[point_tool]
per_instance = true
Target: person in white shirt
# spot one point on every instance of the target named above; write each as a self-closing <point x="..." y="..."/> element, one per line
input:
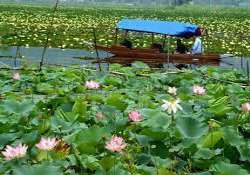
<point x="197" y="47"/>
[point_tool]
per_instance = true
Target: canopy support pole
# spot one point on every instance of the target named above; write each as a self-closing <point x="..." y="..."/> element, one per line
<point x="116" y="36"/>
<point x="168" y="52"/>
<point x="164" y="41"/>
<point x="142" y="36"/>
<point x="152" y="38"/>
<point x="126" y="34"/>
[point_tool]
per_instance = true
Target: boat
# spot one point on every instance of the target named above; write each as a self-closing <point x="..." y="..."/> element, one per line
<point x="154" y="56"/>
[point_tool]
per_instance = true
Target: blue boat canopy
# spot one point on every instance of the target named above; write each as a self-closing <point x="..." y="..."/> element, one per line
<point x="176" y="29"/>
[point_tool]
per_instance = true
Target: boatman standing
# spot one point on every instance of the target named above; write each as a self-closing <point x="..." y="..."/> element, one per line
<point x="197" y="48"/>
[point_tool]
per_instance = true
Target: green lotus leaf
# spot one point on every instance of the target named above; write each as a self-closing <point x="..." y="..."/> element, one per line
<point x="80" y="108"/>
<point x="45" y="88"/>
<point x="203" y="173"/>
<point x="212" y="138"/>
<point x="89" y="162"/>
<point x="118" y="169"/>
<point x="244" y="150"/>
<point x="7" y="138"/>
<point x="223" y="168"/>
<point x="87" y="139"/>
<point x="232" y="136"/>
<point x="99" y="98"/>
<point x="163" y="171"/>
<point x="37" y="169"/>
<point x="107" y="162"/>
<point x="16" y="107"/>
<point x="146" y="170"/>
<point x="155" y="119"/>
<point x="190" y="127"/>
<point x="142" y="139"/>
<point x="116" y="100"/>
<point x="220" y="107"/>
<point x="112" y="80"/>
<point x="204" y="153"/>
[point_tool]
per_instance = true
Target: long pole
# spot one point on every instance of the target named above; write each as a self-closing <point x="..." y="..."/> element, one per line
<point x="248" y="72"/>
<point x="48" y="35"/>
<point x="241" y="51"/>
<point x="17" y="54"/>
<point x="96" y="50"/>
<point x="17" y="50"/>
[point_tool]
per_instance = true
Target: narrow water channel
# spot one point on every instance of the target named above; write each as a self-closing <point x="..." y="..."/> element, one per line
<point x="67" y="57"/>
<point x="52" y="56"/>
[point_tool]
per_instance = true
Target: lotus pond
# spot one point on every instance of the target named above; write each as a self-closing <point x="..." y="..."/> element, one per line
<point x="72" y="27"/>
<point x="130" y="120"/>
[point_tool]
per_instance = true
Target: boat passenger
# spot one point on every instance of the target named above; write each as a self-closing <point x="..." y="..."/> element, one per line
<point x="127" y="43"/>
<point x="197" y="48"/>
<point x="180" y="47"/>
<point x="157" y="46"/>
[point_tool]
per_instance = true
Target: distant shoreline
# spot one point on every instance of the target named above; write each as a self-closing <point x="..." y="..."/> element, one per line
<point x="121" y="5"/>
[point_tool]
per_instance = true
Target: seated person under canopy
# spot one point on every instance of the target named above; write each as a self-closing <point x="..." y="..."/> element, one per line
<point x="157" y="46"/>
<point x="127" y="43"/>
<point x="180" y="47"/>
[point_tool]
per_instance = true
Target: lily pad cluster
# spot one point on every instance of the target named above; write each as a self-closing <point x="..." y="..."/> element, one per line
<point x="129" y="120"/>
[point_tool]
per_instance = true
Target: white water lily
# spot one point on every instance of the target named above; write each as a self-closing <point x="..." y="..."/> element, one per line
<point x="171" y="106"/>
<point x="172" y="90"/>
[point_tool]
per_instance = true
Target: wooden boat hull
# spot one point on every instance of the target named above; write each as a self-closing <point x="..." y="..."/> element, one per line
<point x="152" y="57"/>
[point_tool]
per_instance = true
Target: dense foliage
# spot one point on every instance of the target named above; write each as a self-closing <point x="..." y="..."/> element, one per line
<point x="208" y="134"/>
<point x="72" y="27"/>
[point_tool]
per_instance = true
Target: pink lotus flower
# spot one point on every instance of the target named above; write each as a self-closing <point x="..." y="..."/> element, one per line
<point x="245" y="107"/>
<point x="135" y="116"/>
<point x="172" y="90"/>
<point x="116" y="144"/>
<point x="199" y="90"/>
<point x="92" y="85"/>
<point x="99" y="116"/>
<point x="14" y="152"/>
<point x="16" y="76"/>
<point x="47" y="144"/>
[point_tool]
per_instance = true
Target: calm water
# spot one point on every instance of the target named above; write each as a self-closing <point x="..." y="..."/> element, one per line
<point x="52" y="56"/>
<point x="80" y="57"/>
